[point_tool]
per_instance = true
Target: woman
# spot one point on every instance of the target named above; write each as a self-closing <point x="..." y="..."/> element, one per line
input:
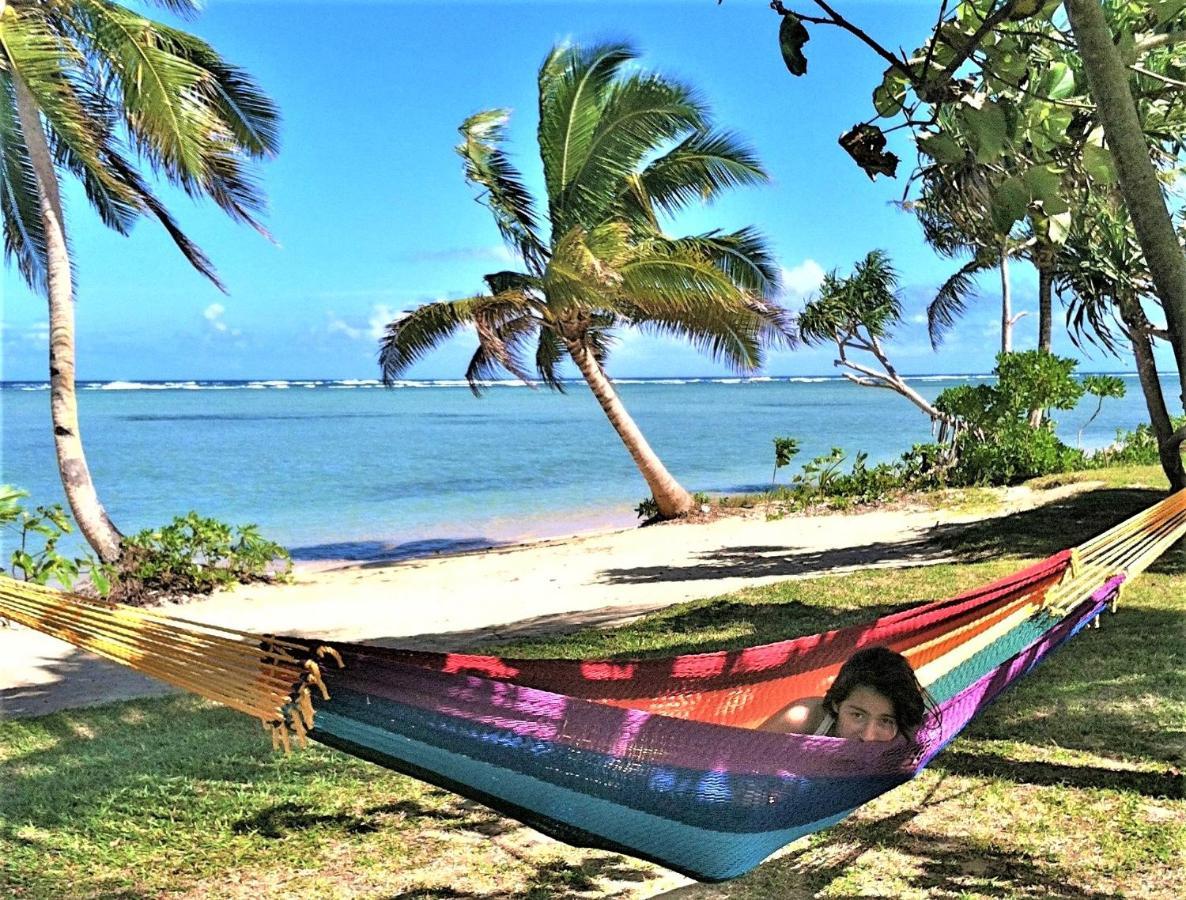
<point x="875" y="697"/>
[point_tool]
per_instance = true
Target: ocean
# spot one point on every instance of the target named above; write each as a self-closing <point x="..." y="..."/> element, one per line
<point x="352" y="470"/>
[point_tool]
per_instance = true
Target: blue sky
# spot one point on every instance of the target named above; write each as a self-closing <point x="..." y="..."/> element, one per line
<point x="371" y="215"/>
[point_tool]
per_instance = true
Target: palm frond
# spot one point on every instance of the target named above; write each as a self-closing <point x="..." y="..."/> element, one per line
<point x="642" y="114"/>
<point x="504" y="194"/>
<point x="743" y="255"/>
<point x="953" y="298"/>
<point x="572" y="81"/>
<point x="576" y="276"/>
<point x="185" y="8"/>
<point x="549" y="354"/>
<point x="24" y="235"/>
<point x="188" y="113"/>
<point x="410" y="337"/>
<point x="190" y="250"/>
<point x="699" y="168"/>
<point x="726" y="335"/>
<point x="599" y="336"/>
<point x="43" y="61"/>
<point x="502" y="332"/>
<point x="674" y="276"/>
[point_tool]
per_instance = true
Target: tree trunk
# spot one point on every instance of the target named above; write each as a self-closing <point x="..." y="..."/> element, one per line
<point x="1159" y="418"/>
<point x="1045" y="319"/>
<point x="1045" y="305"/>
<point x="84" y="501"/>
<point x="1006" y="303"/>
<point x="670" y="497"/>
<point x="1139" y="184"/>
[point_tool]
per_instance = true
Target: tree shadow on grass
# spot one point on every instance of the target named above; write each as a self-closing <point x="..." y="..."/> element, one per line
<point x="935" y="863"/>
<point x="1165" y="784"/>
<point x="1029" y="534"/>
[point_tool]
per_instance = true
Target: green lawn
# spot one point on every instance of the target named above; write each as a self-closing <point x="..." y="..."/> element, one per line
<point x="1070" y="786"/>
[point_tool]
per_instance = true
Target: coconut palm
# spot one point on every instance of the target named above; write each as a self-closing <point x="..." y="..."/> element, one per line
<point x="1103" y="278"/>
<point x="954" y="208"/>
<point x="93" y="90"/>
<point x="620" y="147"/>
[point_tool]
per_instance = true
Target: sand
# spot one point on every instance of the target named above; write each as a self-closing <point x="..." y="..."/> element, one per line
<point x="463" y="600"/>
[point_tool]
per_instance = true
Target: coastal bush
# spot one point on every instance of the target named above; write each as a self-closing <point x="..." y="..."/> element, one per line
<point x="36" y="533"/>
<point x="193" y="555"/>
<point x="1137" y="447"/>
<point x="997" y="443"/>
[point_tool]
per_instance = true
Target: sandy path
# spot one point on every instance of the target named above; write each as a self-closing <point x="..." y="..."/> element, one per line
<point x="458" y="600"/>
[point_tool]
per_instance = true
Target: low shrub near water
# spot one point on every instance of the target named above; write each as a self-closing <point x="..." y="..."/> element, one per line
<point x="191" y="555"/>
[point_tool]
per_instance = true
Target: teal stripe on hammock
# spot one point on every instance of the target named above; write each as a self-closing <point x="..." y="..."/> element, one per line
<point x="979" y="664"/>
<point x="707" y="854"/>
<point x="703" y="796"/>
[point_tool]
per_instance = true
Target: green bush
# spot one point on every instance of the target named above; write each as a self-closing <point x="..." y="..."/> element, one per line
<point x="1013" y="453"/>
<point x="997" y="444"/>
<point x="193" y="555"/>
<point x="1137" y="447"/>
<point x="35" y="535"/>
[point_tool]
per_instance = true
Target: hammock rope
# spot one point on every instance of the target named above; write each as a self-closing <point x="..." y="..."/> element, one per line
<point x="658" y="757"/>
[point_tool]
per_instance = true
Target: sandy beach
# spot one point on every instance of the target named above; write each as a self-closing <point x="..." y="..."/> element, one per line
<point x="463" y="600"/>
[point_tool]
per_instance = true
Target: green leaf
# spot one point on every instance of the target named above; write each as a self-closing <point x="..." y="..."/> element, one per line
<point x="791" y="38"/>
<point x="1043" y="182"/>
<point x="941" y="148"/>
<point x="1058" y="83"/>
<point x="989" y="128"/>
<point x="890" y="95"/>
<point x="1009" y="203"/>
<point x="1097" y="162"/>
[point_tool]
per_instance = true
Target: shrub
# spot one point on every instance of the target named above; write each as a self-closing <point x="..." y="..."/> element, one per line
<point x="35" y="556"/>
<point x="193" y="555"/>
<point x="1136" y="448"/>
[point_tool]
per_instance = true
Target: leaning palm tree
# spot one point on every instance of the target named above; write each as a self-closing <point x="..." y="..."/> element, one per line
<point x="93" y="90"/>
<point x="619" y="147"/>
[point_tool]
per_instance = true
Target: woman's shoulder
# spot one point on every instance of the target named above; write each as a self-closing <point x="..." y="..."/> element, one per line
<point x="800" y="717"/>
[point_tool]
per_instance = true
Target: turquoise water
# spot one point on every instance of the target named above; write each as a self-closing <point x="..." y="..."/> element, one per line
<point x="339" y="470"/>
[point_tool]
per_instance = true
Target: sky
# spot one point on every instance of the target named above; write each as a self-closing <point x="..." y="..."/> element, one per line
<point x="370" y="213"/>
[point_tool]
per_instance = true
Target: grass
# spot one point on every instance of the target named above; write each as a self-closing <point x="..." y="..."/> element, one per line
<point x="1069" y="786"/>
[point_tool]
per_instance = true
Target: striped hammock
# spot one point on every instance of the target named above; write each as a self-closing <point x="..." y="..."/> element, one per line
<point x="657" y="758"/>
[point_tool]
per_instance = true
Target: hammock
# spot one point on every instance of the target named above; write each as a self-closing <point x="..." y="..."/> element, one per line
<point x="657" y="758"/>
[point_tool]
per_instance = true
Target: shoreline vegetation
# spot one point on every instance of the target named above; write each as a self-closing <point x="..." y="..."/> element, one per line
<point x="111" y="790"/>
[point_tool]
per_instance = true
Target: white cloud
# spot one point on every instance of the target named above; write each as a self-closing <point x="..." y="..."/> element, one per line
<point x="381" y="315"/>
<point x="337" y="325"/>
<point x="213" y="314"/>
<point x="370" y="327"/>
<point x="800" y="282"/>
<point x="32" y="332"/>
<point x="918" y="319"/>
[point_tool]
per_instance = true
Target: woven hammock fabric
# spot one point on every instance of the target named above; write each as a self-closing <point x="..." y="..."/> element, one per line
<point x="658" y="758"/>
<point x="694" y="788"/>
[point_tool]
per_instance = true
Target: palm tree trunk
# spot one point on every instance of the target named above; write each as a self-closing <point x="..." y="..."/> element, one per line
<point x="84" y="501"/>
<point x="1169" y="452"/>
<point x="1139" y="186"/>
<point x="670" y="497"/>
<point x="1045" y="306"/>
<point x="1045" y="319"/>
<point x="1006" y="303"/>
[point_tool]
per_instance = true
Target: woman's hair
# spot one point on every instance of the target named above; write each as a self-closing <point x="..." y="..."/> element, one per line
<point x="888" y="673"/>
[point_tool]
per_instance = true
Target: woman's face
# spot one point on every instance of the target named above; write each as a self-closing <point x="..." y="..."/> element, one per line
<point x="866" y="715"/>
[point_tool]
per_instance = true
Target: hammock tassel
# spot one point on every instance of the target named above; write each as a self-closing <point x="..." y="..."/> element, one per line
<point x="314" y="677"/>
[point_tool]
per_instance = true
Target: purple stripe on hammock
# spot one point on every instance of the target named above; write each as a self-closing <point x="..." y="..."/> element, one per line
<point x="661" y="740"/>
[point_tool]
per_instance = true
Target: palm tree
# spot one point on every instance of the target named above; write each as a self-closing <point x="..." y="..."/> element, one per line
<point x="1103" y="277"/>
<point x="619" y="148"/>
<point x="91" y="89"/>
<point x="954" y="208"/>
